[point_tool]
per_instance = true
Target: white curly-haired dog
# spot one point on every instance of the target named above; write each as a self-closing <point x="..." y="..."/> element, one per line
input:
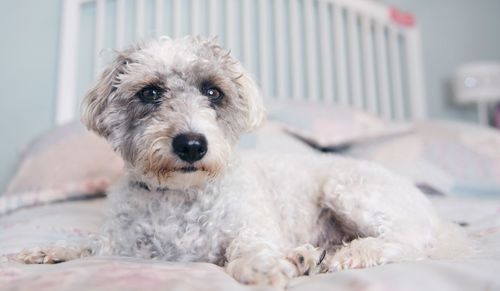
<point x="174" y="110"/>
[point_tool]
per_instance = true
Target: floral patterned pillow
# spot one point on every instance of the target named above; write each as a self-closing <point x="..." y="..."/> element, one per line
<point x="66" y="162"/>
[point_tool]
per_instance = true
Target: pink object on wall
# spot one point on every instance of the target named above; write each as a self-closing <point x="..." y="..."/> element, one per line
<point x="401" y="17"/>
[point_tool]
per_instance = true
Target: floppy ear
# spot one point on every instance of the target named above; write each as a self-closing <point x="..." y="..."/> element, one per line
<point x="98" y="96"/>
<point x="250" y="93"/>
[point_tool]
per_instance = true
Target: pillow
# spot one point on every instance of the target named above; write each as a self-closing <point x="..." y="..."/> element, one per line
<point x="66" y="162"/>
<point x="271" y="138"/>
<point x="328" y="127"/>
<point x="450" y="157"/>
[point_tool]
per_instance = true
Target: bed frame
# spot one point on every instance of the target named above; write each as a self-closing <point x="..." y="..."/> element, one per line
<point x="357" y="53"/>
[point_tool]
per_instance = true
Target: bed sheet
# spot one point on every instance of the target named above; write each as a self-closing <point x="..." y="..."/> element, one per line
<point x="71" y="220"/>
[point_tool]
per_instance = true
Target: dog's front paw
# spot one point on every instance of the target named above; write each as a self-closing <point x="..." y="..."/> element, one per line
<point x="257" y="270"/>
<point x="38" y="256"/>
<point x="51" y="255"/>
<point x="308" y="260"/>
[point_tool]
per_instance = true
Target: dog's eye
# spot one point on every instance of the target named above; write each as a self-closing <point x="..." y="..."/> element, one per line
<point x="150" y="94"/>
<point x="213" y="93"/>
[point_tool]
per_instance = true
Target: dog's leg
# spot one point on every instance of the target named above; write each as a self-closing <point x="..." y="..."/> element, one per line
<point x="307" y="259"/>
<point x="367" y="252"/>
<point x="61" y="251"/>
<point x="259" y="262"/>
<point x="384" y="216"/>
<point x="262" y="262"/>
<point x="54" y="254"/>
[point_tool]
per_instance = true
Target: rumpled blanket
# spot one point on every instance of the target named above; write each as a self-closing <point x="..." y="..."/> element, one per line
<point x="75" y="219"/>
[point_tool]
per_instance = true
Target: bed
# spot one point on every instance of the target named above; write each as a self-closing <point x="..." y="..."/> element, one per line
<point x="355" y="87"/>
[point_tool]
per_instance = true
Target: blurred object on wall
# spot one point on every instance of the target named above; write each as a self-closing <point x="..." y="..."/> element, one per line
<point x="478" y="83"/>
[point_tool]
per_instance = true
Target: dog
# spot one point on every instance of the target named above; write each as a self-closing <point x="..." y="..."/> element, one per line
<point x="174" y="110"/>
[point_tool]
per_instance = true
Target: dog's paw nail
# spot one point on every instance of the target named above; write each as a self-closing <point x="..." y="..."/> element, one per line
<point x="321" y="257"/>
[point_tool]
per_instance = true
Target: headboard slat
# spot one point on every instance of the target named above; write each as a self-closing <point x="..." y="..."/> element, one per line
<point x="383" y="71"/>
<point x="159" y="11"/>
<point x="311" y="51"/>
<point x="177" y="18"/>
<point x="326" y="52"/>
<point x="415" y="75"/>
<point x="296" y="51"/>
<point x="264" y="47"/>
<point x="281" y="48"/>
<point x="340" y="55"/>
<point x="67" y="100"/>
<point x="396" y="74"/>
<point x="230" y="29"/>
<point x="248" y="36"/>
<point x="120" y="24"/>
<point x="100" y="29"/>
<point x="354" y="59"/>
<point x="140" y="28"/>
<point x="368" y="65"/>
<point x="213" y="10"/>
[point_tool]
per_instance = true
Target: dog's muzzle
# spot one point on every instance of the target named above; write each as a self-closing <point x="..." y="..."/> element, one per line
<point x="190" y="147"/>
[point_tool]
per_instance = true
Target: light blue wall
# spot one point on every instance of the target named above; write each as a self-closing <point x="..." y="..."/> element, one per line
<point x="453" y="32"/>
<point x="28" y="58"/>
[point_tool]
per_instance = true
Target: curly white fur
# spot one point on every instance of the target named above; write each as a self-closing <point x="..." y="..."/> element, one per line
<point x="265" y="218"/>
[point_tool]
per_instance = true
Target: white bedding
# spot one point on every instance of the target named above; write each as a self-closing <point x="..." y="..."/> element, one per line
<point x="70" y="220"/>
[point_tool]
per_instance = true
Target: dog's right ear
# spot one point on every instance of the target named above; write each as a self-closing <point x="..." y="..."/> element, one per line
<point x="97" y="98"/>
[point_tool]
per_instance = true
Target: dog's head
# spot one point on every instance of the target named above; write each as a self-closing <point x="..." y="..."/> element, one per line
<point x="174" y="109"/>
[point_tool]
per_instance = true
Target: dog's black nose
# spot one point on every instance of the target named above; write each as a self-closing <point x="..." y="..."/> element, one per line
<point x="190" y="147"/>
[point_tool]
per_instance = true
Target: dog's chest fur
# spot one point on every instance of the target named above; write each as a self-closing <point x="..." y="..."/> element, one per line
<point x="173" y="225"/>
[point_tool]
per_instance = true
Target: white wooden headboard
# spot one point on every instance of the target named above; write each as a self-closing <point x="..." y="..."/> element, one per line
<point x="358" y="53"/>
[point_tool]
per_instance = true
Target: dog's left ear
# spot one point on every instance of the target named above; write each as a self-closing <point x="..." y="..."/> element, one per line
<point x="252" y="98"/>
<point x="251" y="105"/>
